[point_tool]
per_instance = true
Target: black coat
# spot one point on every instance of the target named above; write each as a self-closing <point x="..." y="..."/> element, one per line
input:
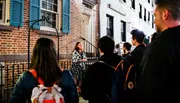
<point x="160" y="79"/>
<point x="135" y="58"/>
<point x="96" y="86"/>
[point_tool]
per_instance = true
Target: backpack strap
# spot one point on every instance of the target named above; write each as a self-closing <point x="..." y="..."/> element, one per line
<point x="107" y="64"/>
<point x="34" y="73"/>
<point x="120" y="63"/>
<point x="127" y="74"/>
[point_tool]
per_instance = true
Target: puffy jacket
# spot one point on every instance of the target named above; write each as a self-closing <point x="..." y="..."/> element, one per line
<point x="26" y="82"/>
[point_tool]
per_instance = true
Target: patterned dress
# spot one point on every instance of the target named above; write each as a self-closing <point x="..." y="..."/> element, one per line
<point x="78" y="67"/>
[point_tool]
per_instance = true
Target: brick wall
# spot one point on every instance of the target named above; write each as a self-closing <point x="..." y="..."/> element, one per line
<point x="15" y="41"/>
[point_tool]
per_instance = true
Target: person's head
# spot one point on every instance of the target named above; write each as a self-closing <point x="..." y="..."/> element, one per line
<point x="117" y="46"/>
<point x="126" y="46"/>
<point x="78" y="47"/>
<point x="153" y="36"/>
<point x="137" y="37"/>
<point x="106" y="45"/>
<point x="44" y="61"/>
<point x="167" y="14"/>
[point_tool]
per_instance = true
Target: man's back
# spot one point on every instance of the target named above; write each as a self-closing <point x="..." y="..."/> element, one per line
<point x="97" y="84"/>
<point x="159" y="81"/>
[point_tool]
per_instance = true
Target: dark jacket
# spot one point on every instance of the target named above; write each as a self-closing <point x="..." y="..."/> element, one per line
<point x="136" y="58"/>
<point x="26" y="82"/>
<point x="96" y="86"/>
<point x="160" y="79"/>
<point x="119" y="95"/>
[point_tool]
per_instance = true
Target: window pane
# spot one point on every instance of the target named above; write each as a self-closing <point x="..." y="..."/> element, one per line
<point x="53" y="16"/>
<point x="55" y="8"/>
<point x="55" y="1"/>
<point x="44" y="5"/>
<point x="49" y="6"/>
<point x="48" y="15"/>
<point x="1" y="5"/>
<point x="50" y="1"/>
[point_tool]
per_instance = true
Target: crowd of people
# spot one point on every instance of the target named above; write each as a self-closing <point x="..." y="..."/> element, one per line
<point x="147" y="74"/>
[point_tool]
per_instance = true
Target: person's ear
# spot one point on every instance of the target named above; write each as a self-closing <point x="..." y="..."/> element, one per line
<point x="165" y="14"/>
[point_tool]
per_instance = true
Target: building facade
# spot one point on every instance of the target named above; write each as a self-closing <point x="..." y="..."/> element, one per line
<point x="72" y="18"/>
<point x="119" y="17"/>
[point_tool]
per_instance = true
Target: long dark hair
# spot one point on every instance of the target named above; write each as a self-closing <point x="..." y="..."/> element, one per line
<point x="44" y="61"/>
<point x="76" y="47"/>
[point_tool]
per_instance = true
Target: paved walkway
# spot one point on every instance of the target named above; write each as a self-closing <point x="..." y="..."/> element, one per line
<point x="81" y="100"/>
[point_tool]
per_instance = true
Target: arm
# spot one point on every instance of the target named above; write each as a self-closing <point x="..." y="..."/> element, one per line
<point x="70" y="90"/>
<point x="19" y="94"/>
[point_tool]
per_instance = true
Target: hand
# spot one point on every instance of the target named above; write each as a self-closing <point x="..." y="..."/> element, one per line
<point x="83" y="60"/>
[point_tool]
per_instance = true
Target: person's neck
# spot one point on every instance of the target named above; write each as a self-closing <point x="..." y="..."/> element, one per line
<point x="137" y="44"/>
<point x="80" y="51"/>
<point x="170" y="24"/>
<point x="126" y="51"/>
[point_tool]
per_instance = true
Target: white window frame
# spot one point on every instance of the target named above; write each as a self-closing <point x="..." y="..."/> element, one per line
<point x="57" y="17"/>
<point x="2" y="21"/>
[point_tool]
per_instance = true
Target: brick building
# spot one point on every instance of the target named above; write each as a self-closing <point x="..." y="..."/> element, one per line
<point x="72" y="18"/>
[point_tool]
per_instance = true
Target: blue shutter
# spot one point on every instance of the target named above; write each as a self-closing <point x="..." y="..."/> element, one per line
<point x="35" y="13"/>
<point x="16" y="12"/>
<point x="66" y="17"/>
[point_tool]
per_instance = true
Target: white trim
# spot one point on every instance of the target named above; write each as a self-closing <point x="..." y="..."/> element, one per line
<point x="47" y="28"/>
<point x="6" y="24"/>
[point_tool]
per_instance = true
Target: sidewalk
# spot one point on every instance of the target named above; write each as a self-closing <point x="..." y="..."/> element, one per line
<point x="81" y="100"/>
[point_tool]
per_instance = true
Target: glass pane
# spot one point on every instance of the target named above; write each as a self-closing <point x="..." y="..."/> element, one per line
<point x="49" y="15"/>
<point x="49" y="6"/>
<point x="55" y="1"/>
<point x="54" y="23"/>
<point x="55" y="8"/>
<point x="53" y="16"/>
<point x="44" y="4"/>
<point x="1" y="5"/>
<point x="0" y="14"/>
<point x="50" y="1"/>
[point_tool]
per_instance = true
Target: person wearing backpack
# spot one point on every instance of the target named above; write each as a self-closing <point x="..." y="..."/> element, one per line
<point x="96" y="86"/>
<point x="45" y="81"/>
<point x="124" y="84"/>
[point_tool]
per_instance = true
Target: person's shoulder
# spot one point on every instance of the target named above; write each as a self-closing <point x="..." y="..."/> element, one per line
<point x="26" y="74"/>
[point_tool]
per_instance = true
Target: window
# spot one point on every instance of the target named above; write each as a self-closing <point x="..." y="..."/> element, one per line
<point x="152" y="21"/>
<point x="140" y="11"/>
<point x="148" y="16"/>
<point x="124" y="0"/>
<point x="133" y="4"/>
<point x="109" y="27"/>
<point x="123" y="31"/>
<point x="87" y="5"/>
<point x="49" y="9"/>
<point x="144" y="14"/>
<point x="152" y="4"/>
<point x="2" y="11"/>
<point x="148" y="1"/>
